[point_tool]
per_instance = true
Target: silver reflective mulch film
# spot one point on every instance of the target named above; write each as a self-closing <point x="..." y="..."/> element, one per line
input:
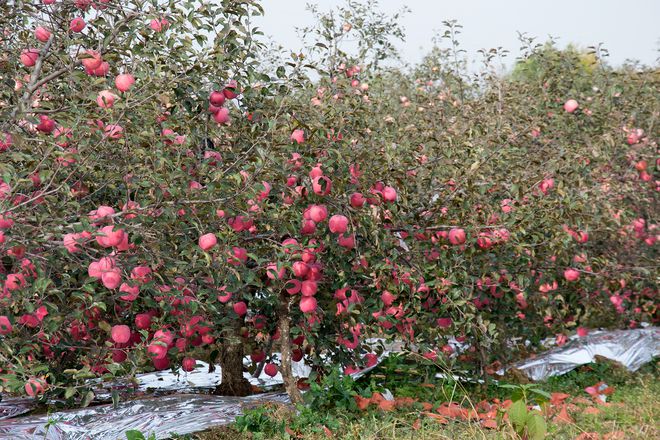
<point x="189" y="410"/>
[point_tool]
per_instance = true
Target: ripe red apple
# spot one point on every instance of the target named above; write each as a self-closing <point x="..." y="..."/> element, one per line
<point x="457" y="236"/>
<point x="217" y="99"/>
<point x="100" y="71"/>
<point x="320" y="189"/>
<point x="207" y="241"/>
<point x="114" y="131"/>
<point x="387" y="298"/>
<point x="258" y="356"/>
<point x="357" y="200"/>
<point x="298" y="136"/>
<point x="309" y="288"/>
<point x="221" y="116"/>
<point x="571" y="105"/>
<point x="296" y="355"/>
<point x="444" y="322"/>
<point x="29" y="57"/>
<point x="124" y="82"/>
<point x="346" y="241"/>
<point x="77" y="24"/>
<point x="273" y="273"/>
<point x="300" y="269"/>
<point x="188" y="364"/>
<point x="143" y="321"/>
<point x="121" y="334"/>
<point x="318" y="213"/>
<point x="5" y="325"/>
<point x="109" y="237"/>
<point x="270" y="369"/>
<point x="111" y="279"/>
<point x="240" y="308"/>
<point x="389" y="194"/>
<point x="571" y="274"/>
<point x="42" y="34"/>
<point x="307" y="304"/>
<point x="157" y="350"/>
<point x="46" y="125"/>
<point x="106" y="99"/>
<point x="92" y="60"/>
<point x="338" y="224"/>
<point x="230" y="90"/>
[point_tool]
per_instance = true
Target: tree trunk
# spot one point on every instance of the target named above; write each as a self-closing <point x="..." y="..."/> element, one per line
<point x="290" y="384"/>
<point x="231" y="361"/>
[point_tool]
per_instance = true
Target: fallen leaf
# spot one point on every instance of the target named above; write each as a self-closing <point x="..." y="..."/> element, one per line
<point x="558" y="398"/>
<point x="563" y="416"/>
<point x="591" y="410"/>
<point x="327" y="431"/>
<point x="483" y="406"/>
<point x="452" y="410"/>
<point x="490" y="424"/>
<point x="387" y="405"/>
<point x="362" y="402"/>
<point x="427" y="406"/>
<point x="402" y="402"/>
<point x="436" y="417"/>
<point x="417" y="424"/>
<point x="588" y="436"/>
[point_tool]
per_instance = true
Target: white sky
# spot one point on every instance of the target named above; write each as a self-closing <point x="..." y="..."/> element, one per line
<point x="629" y="29"/>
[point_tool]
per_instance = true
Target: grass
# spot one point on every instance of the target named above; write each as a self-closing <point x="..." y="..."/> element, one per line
<point x="632" y="412"/>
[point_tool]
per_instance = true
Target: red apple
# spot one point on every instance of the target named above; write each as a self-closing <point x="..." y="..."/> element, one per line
<point x="357" y="200"/>
<point x="457" y="236"/>
<point x="121" y="334"/>
<point x="77" y="24"/>
<point x="29" y="57"/>
<point x="298" y="136"/>
<point x="188" y="364"/>
<point x="389" y="194"/>
<point x="270" y="369"/>
<point x="124" y="82"/>
<point x="217" y="99"/>
<point x="307" y="304"/>
<point x="571" y="274"/>
<point x="42" y="34"/>
<point x="571" y="105"/>
<point x="221" y="116"/>
<point x="5" y="325"/>
<point x="240" y="308"/>
<point x="207" y="241"/>
<point x="338" y="224"/>
<point x="106" y="99"/>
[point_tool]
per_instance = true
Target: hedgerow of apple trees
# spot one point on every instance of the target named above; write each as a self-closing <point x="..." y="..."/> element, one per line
<point x="167" y="196"/>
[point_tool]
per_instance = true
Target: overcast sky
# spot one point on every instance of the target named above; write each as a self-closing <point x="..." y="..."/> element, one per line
<point x="629" y="29"/>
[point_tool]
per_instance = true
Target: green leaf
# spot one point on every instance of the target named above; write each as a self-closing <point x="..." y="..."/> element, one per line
<point x="70" y="392"/>
<point x="536" y="427"/>
<point x="134" y="434"/>
<point x="518" y="413"/>
<point x="87" y="399"/>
